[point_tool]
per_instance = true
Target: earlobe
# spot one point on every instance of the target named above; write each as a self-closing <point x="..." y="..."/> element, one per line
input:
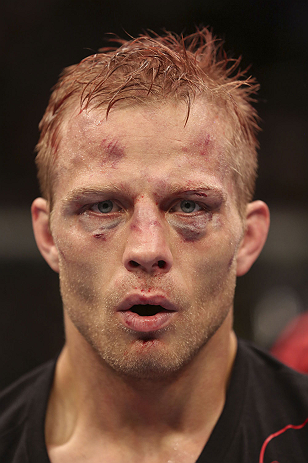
<point x="43" y="236"/>
<point x="256" y="230"/>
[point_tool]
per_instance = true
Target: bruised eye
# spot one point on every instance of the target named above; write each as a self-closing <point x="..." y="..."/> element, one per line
<point x="105" y="206"/>
<point x="189" y="206"/>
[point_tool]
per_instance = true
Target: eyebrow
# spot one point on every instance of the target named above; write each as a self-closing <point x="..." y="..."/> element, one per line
<point x="89" y="192"/>
<point x="84" y="192"/>
<point x="202" y="190"/>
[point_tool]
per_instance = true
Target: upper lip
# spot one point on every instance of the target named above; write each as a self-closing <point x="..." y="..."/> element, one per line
<point x="137" y="299"/>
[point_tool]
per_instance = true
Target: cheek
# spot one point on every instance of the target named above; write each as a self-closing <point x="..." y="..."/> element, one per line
<point x="217" y="280"/>
<point x="214" y="263"/>
<point x="77" y="283"/>
<point x="81" y="262"/>
<point x="82" y="240"/>
<point x="72" y="248"/>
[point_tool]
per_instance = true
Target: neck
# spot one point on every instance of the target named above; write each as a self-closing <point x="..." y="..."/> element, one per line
<point x="187" y="403"/>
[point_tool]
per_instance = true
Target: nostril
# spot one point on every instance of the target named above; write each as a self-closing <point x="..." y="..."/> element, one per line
<point x="133" y="263"/>
<point x="148" y="265"/>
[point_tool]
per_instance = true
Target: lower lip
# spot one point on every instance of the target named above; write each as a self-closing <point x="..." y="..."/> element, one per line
<point x="145" y="324"/>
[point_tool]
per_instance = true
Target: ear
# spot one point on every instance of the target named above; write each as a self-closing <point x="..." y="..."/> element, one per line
<point x="43" y="236"/>
<point x="256" y="230"/>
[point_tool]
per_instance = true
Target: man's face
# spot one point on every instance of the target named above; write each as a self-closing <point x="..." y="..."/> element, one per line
<point x="147" y="231"/>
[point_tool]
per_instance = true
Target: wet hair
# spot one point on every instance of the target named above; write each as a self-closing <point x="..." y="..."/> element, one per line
<point x="155" y="69"/>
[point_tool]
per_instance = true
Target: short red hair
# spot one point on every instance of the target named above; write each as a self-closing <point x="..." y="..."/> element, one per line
<point x="155" y="68"/>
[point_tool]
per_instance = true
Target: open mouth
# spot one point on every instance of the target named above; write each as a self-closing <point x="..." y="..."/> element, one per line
<point x="141" y="317"/>
<point x="147" y="310"/>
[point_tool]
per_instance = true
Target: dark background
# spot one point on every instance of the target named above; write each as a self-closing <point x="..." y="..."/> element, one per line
<point x="39" y="38"/>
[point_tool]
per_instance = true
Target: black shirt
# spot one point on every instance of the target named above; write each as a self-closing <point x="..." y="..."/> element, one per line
<point x="265" y="418"/>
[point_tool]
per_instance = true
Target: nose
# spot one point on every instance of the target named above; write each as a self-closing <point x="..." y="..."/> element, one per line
<point x="147" y="247"/>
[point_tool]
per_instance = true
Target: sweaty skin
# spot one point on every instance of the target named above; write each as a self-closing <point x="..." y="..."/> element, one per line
<point x="144" y="212"/>
<point x="159" y="167"/>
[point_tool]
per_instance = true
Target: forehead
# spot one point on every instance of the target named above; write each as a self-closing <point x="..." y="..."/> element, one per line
<point x="134" y="139"/>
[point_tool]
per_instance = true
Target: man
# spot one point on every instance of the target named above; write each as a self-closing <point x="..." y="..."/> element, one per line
<point x="147" y="164"/>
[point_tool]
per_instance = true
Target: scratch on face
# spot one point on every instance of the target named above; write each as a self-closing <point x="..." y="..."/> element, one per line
<point x="113" y="150"/>
<point x="101" y="236"/>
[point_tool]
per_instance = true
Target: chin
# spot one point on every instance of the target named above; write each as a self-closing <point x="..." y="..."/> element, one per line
<point x="150" y="360"/>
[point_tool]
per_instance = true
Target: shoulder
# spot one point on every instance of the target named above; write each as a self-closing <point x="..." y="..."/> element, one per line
<point x="270" y="381"/>
<point x="15" y="399"/>
<point x="268" y="405"/>
<point x="268" y="371"/>
<point x="25" y="399"/>
<point x="276" y="395"/>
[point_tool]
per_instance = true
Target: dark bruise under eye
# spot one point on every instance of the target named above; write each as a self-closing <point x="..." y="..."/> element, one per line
<point x="147" y="310"/>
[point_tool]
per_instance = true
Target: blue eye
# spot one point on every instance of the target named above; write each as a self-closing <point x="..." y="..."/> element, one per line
<point x="188" y="206"/>
<point x="105" y="206"/>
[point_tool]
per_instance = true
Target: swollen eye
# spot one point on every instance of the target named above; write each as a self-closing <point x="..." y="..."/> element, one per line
<point x="188" y="206"/>
<point x="105" y="206"/>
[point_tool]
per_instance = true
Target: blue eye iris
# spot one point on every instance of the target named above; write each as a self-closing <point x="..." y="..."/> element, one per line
<point x="188" y="206"/>
<point x="105" y="206"/>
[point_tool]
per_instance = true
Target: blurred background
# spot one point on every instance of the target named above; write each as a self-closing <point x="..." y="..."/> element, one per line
<point x="39" y="38"/>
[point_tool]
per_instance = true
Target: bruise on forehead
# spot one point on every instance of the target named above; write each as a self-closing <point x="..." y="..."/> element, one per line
<point x="85" y="137"/>
<point x="113" y="149"/>
<point x="203" y="144"/>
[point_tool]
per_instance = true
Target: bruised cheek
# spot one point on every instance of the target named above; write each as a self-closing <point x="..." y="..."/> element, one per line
<point x="93" y="229"/>
<point x="195" y="228"/>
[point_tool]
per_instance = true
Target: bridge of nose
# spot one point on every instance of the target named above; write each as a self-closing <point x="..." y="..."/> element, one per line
<point x="147" y="244"/>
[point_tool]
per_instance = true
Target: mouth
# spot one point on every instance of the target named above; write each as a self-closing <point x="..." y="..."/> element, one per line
<point x="146" y="315"/>
<point x="147" y="310"/>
